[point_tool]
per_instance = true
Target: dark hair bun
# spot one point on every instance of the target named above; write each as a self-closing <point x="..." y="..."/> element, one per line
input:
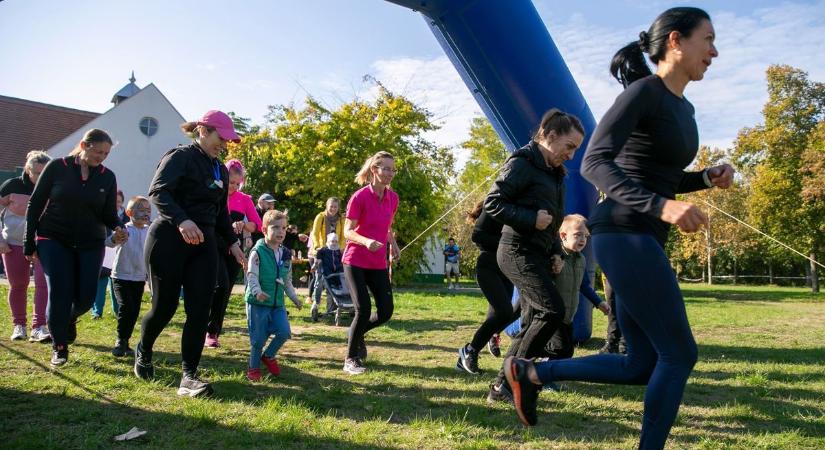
<point x="644" y="41"/>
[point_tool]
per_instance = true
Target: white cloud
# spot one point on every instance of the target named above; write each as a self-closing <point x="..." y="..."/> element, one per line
<point x="436" y="85"/>
<point x="730" y="97"/>
<point x="733" y="92"/>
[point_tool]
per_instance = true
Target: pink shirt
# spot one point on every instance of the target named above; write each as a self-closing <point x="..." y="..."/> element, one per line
<point x="242" y="203"/>
<point x="374" y="219"/>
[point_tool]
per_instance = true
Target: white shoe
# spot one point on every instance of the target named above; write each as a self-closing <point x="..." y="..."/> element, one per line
<point x="19" y="333"/>
<point x="40" y="334"/>
<point x="450" y="287"/>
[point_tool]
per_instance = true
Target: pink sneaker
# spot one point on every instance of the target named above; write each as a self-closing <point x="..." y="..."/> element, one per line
<point x="271" y="365"/>
<point x="253" y="375"/>
<point x="211" y="341"/>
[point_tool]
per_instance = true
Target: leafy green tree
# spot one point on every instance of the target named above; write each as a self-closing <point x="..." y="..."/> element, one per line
<point x="243" y="125"/>
<point x="780" y="155"/>
<point x="308" y="154"/>
<point x="487" y="153"/>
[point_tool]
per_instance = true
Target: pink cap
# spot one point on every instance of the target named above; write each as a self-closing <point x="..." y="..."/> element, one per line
<point x="222" y="123"/>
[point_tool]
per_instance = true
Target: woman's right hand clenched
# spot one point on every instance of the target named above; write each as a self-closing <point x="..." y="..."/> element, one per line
<point x="687" y="216"/>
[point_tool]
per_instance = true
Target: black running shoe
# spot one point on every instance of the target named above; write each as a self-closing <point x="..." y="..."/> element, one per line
<point x="122" y="349"/>
<point x="60" y="355"/>
<point x="500" y="393"/>
<point x="525" y="392"/>
<point x="71" y="333"/>
<point x="143" y="364"/>
<point x="468" y="360"/>
<point x="494" y="346"/>
<point x="192" y="386"/>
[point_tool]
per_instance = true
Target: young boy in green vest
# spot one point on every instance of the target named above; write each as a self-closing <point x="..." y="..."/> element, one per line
<point x="571" y="281"/>
<point x="269" y="278"/>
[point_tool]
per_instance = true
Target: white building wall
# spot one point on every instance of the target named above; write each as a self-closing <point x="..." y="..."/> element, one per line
<point x="135" y="157"/>
<point x="434" y="255"/>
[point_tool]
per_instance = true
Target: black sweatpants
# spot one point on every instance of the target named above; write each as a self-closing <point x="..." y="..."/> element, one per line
<point x="542" y="308"/>
<point x="561" y="343"/>
<point x="498" y="290"/>
<point x="172" y="264"/>
<point x="228" y="270"/>
<point x="361" y="283"/>
<point x="128" y="295"/>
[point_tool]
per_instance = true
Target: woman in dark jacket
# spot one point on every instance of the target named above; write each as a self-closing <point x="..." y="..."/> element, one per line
<point x="69" y="211"/>
<point x="528" y="198"/>
<point x="189" y="190"/>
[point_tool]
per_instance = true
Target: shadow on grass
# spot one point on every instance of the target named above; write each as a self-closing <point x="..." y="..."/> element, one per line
<point x="81" y="423"/>
<point x="746" y="294"/>
<point x="342" y="341"/>
<point x="421" y="325"/>
<point x="762" y="355"/>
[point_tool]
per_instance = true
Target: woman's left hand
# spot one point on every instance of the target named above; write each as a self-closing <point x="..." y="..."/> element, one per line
<point x="395" y="252"/>
<point x="120" y="236"/>
<point x="235" y="250"/>
<point x="721" y="176"/>
<point x="238" y="227"/>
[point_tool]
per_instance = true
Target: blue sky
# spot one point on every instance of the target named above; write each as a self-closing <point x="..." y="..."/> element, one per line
<point x="251" y="54"/>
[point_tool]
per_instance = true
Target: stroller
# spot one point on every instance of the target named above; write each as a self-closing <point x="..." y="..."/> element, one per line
<point x="338" y="291"/>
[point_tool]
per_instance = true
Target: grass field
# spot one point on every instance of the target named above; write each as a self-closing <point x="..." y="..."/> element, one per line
<point x="759" y="384"/>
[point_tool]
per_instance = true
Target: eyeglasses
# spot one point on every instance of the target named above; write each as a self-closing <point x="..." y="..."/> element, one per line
<point x="386" y="169"/>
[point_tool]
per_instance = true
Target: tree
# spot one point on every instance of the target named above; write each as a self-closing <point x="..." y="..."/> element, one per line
<point x="243" y="125"/>
<point x="781" y="156"/>
<point x="308" y="154"/>
<point x="487" y="153"/>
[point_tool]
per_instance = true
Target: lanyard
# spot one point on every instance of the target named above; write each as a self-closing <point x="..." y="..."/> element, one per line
<point x="216" y="170"/>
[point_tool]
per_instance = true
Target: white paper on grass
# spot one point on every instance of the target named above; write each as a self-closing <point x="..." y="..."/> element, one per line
<point x="134" y="433"/>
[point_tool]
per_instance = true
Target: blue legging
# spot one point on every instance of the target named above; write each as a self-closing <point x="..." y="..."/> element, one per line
<point x="651" y="312"/>
<point x="71" y="276"/>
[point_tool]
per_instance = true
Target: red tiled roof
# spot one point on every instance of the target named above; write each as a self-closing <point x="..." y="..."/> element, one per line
<point x="26" y="125"/>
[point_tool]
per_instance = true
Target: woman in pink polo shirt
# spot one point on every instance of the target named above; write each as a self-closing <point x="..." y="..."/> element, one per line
<point x="370" y="213"/>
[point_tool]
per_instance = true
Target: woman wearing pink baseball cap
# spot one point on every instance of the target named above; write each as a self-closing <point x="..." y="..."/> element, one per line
<point x="189" y="190"/>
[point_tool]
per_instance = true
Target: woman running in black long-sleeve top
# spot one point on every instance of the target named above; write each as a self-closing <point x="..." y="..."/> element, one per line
<point x="637" y="156"/>
<point x="496" y="287"/>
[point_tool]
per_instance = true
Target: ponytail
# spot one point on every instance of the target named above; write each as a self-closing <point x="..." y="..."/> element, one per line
<point x="364" y="176"/>
<point x="628" y="64"/>
<point x="559" y="121"/>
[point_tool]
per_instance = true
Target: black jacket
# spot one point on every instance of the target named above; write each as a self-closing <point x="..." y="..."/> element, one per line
<point x="70" y="210"/>
<point x="486" y="232"/>
<point x="185" y="187"/>
<point x="526" y="185"/>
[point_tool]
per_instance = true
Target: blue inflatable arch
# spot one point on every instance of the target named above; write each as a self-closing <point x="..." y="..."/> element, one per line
<point x="508" y="60"/>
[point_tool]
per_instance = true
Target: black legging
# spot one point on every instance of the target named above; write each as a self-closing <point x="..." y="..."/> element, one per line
<point x="172" y="264"/>
<point x="498" y="290"/>
<point x="378" y="283"/>
<point x="228" y="269"/>
<point x="542" y="308"/>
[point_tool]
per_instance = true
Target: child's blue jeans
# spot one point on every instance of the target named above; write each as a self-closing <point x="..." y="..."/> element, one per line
<point x="104" y="283"/>
<point x="265" y="321"/>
